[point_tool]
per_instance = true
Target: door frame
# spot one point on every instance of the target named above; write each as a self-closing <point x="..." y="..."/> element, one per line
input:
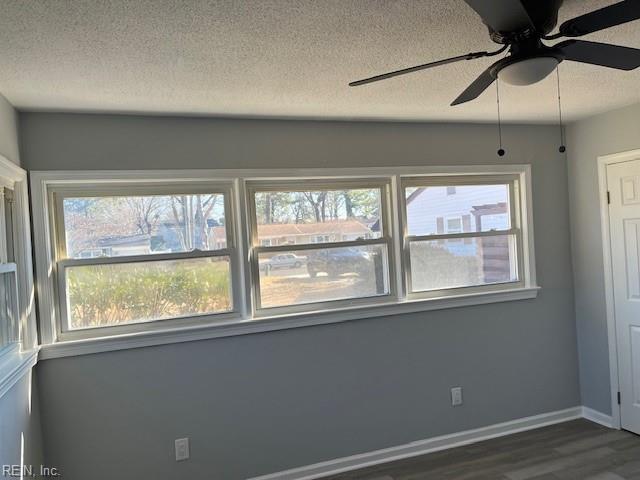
<point x="603" y="162"/>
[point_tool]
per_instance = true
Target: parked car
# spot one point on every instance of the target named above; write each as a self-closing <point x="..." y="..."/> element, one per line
<point x="335" y="262"/>
<point x="283" y="260"/>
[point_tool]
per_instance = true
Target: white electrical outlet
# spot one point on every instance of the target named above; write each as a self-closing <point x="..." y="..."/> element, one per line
<point x="456" y="396"/>
<point x="182" y="449"/>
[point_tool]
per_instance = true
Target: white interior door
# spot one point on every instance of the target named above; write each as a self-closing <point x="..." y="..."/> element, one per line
<point x="623" y="181"/>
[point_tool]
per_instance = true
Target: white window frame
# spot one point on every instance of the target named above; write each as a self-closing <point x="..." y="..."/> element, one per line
<point x="10" y="334"/>
<point x="57" y="195"/>
<point x="312" y="184"/>
<point x="21" y="353"/>
<point x="516" y="222"/>
<point x="247" y="320"/>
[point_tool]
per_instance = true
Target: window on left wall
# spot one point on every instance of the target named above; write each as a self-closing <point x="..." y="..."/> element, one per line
<point x="9" y="327"/>
<point x="127" y="255"/>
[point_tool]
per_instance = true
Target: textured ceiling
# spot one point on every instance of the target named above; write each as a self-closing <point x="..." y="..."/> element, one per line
<point x="284" y="58"/>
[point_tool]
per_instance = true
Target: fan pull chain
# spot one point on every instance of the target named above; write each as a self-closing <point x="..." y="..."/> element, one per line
<point x="562" y="148"/>
<point x="501" y="151"/>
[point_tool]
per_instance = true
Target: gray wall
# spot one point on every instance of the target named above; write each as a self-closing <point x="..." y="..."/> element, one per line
<point x="9" y="131"/>
<point x="20" y="422"/>
<point x="261" y="403"/>
<point x="18" y="409"/>
<point x="611" y="132"/>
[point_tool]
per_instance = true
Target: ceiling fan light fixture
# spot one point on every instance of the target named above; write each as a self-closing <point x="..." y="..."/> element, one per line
<point x="520" y="26"/>
<point x="529" y="71"/>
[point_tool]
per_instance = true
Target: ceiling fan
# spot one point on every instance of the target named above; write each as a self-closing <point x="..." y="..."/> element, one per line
<point x="520" y="26"/>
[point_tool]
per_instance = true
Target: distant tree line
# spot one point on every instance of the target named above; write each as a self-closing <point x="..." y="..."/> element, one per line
<point x="317" y="206"/>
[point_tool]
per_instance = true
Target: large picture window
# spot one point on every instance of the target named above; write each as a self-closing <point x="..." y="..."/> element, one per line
<point x="138" y="254"/>
<point x="241" y="251"/>
<point x="461" y="232"/>
<point x="319" y="243"/>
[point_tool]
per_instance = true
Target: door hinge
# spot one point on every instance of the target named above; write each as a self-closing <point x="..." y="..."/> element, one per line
<point x="619" y="399"/>
<point x="608" y="197"/>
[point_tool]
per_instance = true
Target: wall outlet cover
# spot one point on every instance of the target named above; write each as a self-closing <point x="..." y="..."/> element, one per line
<point x="182" y="449"/>
<point x="456" y="396"/>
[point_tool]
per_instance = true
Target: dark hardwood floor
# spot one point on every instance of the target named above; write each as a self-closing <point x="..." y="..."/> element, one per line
<point x="576" y="450"/>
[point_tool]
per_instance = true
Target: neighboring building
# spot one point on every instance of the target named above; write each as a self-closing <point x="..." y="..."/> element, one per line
<point x="465" y="209"/>
<point x="296" y="233"/>
<point x="118" y="246"/>
<point x="167" y="237"/>
<point x="440" y="210"/>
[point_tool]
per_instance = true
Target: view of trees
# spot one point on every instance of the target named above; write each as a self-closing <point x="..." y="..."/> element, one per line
<point x="102" y="295"/>
<point x="317" y="206"/>
<point x="183" y="219"/>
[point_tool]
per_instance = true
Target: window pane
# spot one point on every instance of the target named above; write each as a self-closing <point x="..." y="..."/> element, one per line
<point x="8" y="328"/>
<point x="439" y="264"/>
<point x="139" y="225"/>
<point x="104" y="295"/>
<point x="454" y="225"/>
<point x="463" y="208"/>
<point x="303" y="217"/>
<point x="320" y="275"/>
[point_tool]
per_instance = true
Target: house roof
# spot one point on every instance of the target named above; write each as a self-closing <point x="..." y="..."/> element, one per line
<point x="416" y="193"/>
<point x="129" y="240"/>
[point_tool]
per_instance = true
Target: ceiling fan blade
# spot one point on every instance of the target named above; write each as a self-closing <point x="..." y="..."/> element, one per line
<point x="606" y="17"/>
<point x="478" y="86"/>
<point x="424" y="66"/>
<point x="502" y="15"/>
<point x="603" y="54"/>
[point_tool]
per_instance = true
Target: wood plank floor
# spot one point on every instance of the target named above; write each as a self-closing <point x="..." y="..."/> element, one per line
<point x="576" y="450"/>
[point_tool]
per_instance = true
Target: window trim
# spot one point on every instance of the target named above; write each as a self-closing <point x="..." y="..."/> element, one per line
<point x="245" y="322"/>
<point x="58" y="193"/>
<point x="18" y="357"/>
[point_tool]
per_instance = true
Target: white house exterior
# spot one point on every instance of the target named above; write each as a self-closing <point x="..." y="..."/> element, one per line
<point x="440" y="210"/>
<point x="467" y="209"/>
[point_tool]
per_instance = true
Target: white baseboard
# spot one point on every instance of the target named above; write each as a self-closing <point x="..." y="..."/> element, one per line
<point x="597" y="417"/>
<point x="430" y="445"/>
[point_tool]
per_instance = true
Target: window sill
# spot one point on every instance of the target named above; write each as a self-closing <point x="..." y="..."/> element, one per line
<point x="274" y="323"/>
<point x="14" y="364"/>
